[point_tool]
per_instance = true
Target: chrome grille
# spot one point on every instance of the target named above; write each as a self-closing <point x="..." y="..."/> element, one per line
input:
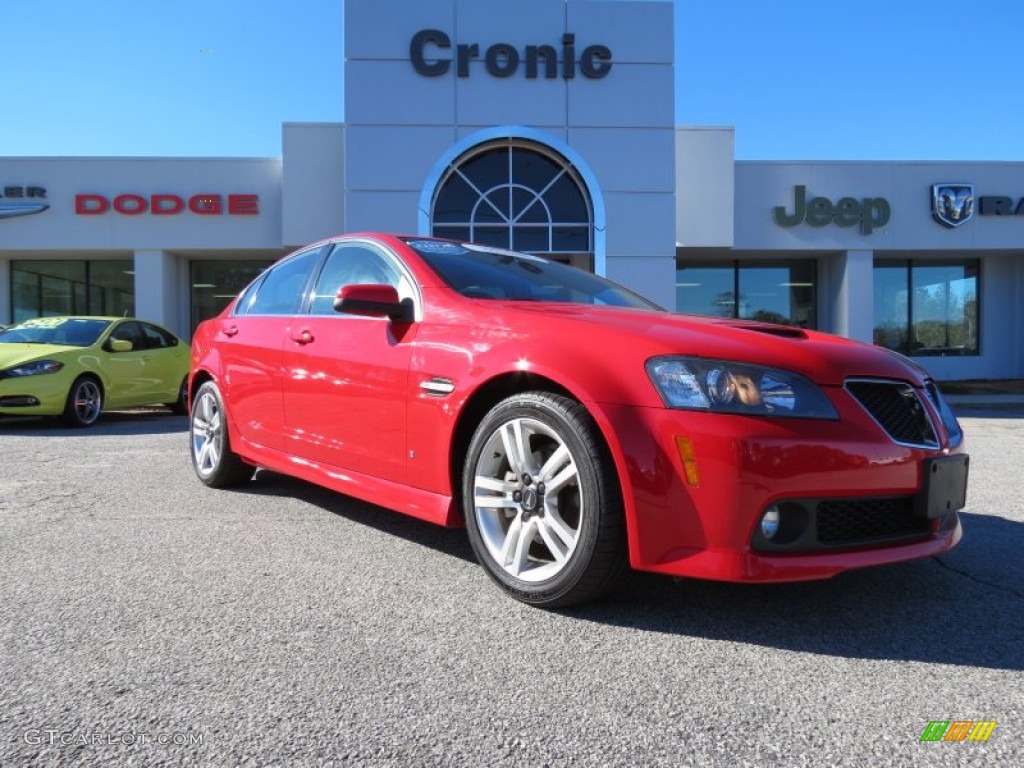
<point x="897" y="408"/>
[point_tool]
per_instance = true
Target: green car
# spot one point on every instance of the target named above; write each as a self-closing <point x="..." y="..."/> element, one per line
<point x="75" y="367"/>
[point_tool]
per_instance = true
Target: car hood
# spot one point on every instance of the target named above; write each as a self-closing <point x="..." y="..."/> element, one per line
<point x="16" y="354"/>
<point x="821" y="357"/>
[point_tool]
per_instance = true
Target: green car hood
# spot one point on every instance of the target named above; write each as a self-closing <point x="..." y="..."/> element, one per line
<point x="17" y="353"/>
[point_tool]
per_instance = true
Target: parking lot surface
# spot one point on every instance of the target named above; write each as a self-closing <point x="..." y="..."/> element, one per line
<point x="147" y="620"/>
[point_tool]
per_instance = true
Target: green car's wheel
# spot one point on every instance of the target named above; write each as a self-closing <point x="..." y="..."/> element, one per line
<point x="84" y="403"/>
<point x="180" y="406"/>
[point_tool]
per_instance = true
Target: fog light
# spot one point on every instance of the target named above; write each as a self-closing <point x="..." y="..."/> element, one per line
<point x="770" y="522"/>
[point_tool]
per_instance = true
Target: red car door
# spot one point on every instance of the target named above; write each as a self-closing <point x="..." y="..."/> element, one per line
<point x="346" y="377"/>
<point x="250" y="341"/>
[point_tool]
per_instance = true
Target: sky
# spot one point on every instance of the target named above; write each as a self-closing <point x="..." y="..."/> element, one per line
<point x="799" y="80"/>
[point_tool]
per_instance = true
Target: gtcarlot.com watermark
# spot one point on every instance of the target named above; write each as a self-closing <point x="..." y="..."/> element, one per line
<point x="53" y="738"/>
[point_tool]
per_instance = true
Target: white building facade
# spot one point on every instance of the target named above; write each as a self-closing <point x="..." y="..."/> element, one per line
<point x="547" y="127"/>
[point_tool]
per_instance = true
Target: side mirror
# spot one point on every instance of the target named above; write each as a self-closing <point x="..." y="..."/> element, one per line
<point x="120" y="345"/>
<point x="373" y="301"/>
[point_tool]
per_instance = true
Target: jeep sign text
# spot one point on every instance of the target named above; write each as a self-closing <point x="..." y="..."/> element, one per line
<point x="870" y="212"/>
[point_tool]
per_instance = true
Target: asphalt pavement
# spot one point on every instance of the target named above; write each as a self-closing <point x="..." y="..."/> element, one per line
<point x="147" y="620"/>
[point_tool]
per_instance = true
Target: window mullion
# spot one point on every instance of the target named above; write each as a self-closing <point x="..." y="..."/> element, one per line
<point x="511" y="210"/>
<point x="736" y="289"/>
<point x="910" y="307"/>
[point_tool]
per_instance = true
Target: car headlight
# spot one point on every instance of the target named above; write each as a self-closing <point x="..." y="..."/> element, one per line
<point x="34" y="368"/>
<point x="956" y="434"/>
<point x="721" y="386"/>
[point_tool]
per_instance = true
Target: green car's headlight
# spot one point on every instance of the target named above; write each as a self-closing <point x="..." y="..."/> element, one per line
<point x="721" y="386"/>
<point x="34" y="368"/>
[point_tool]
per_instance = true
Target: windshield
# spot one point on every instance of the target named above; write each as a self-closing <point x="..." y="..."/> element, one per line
<point x="479" y="272"/>
<point x="67" y="331"/>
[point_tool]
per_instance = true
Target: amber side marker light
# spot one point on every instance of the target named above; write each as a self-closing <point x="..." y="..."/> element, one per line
<point x="685" y="447"/>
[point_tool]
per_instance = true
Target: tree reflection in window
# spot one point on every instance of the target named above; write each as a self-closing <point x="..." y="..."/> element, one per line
<point x="769" y="291"/>
<point x="926" y="307"/>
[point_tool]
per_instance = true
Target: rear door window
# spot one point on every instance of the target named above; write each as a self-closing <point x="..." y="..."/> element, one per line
<point x="157" y="338"/>
<point x="283" y="290"/>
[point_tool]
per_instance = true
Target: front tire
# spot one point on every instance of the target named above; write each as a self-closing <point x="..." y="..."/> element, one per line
<point x="212" y="458"/>
<point x="542" y="502"/>
<point x="84" y="403"/>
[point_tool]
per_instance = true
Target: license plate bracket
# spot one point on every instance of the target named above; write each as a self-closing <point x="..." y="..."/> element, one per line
<point x="944" y="485"/>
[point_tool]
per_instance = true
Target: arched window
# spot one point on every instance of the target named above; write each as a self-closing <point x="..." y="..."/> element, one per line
<point x="516" y="194"/>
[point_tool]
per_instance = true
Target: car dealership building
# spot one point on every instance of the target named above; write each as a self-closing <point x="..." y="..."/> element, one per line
<point x="547" y="127"/>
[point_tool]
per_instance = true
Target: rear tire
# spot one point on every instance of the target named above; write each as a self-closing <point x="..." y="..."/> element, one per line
<point x="84" y="403"/>
<point x="542" y="502"/>
<point x="212" y="458"/>
<point x="180" y="406"/>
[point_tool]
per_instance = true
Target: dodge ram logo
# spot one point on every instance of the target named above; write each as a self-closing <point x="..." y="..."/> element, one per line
<point x="952" y="204"/>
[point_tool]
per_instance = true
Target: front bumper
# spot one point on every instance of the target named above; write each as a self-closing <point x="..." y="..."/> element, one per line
<point x="744" y="464"/>
<point x="50" y="391"/>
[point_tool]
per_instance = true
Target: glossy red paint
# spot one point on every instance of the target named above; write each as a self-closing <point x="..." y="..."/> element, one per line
<point x="746" y="464"/>
<point x="349" y="411"/>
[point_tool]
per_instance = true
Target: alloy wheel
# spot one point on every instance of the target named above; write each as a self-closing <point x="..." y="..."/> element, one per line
<point x="207" y="433"/>
<point x="527" y="499"/>
<point x="88" y="401"/>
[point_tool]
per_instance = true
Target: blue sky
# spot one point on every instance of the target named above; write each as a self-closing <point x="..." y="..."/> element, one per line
<point x="896" y="80"/>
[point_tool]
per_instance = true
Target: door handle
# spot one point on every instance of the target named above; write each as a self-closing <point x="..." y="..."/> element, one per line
<point x="229" y="330"/>
<point x="302" y="337"/>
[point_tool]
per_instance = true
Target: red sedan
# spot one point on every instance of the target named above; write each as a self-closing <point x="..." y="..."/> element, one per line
<point x="574" y="428"/>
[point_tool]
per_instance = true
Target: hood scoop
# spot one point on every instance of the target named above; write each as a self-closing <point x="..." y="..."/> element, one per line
<point x="784" y="331"/>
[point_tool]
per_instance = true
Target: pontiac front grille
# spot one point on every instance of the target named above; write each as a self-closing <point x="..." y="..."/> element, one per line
<point x="897" y="408"/>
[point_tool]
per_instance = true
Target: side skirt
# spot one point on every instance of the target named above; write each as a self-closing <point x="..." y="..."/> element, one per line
<point x="415" y="502"/>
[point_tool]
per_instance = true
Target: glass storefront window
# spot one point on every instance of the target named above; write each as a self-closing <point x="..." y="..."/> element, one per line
<point x="891" y="302"/>
<point x="214" y="283"/>
<point x="778" y="292"/>
<point x="768" y="291"/>
<point x="927" y="308"/>
<point x="706" y="289"/>
<point x="47" y="288"/>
